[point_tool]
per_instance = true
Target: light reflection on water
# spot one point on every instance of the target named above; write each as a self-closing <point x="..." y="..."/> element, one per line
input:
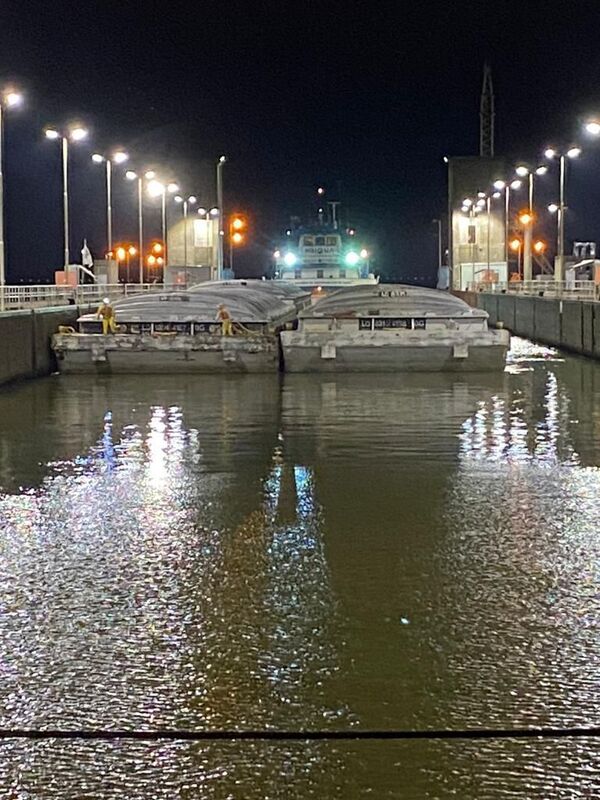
<point x="398" y="551"/>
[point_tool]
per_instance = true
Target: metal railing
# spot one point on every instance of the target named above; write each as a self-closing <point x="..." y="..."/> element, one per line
<point x="14" y="298"/>
<point x="577" y="290"/>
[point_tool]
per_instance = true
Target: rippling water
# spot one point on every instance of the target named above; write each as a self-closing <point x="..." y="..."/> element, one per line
<point x="312" y="552"/>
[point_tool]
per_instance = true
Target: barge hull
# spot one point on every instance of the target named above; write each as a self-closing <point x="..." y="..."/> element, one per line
<point x="475" y="356"/>
<point x="126" y="354"/>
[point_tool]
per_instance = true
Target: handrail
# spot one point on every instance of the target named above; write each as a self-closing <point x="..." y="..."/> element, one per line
<point x="577" y="290"/>
<point x="14" y="298"/>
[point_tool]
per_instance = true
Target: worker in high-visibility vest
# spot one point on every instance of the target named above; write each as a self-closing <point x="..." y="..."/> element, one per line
<point x="107" y="314"/>
<point x="224" y="317"/>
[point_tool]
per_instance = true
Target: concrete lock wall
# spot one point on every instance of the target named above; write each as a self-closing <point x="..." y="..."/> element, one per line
<point x="571" y="324"/>
<point x="25" y="350"/>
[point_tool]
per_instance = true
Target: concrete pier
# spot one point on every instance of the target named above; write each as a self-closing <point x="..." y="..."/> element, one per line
<point x="570" y="324"/>
<point x="25" y="337"/>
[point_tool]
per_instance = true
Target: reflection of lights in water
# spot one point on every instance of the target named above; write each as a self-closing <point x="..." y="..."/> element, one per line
<point x="524" y="353"/>
<point x="157" y="446"/>
<point x="497" y="431"/>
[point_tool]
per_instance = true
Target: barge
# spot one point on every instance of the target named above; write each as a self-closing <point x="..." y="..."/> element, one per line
<point x="393" y="328"/>
<point x="178" y="331"/>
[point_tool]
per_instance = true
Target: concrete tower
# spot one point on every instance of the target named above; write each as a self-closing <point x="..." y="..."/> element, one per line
<point x="487" y="115"/>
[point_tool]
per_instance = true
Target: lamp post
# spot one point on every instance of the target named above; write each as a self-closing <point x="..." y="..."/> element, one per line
<point x="551" y="153"/>
<point x="438" y="222"/>
<point x="116" y="158"/>
<point x="507" y="186"/>
<point x="133" y="176"/>
<point x="220" y="164"/>
<point x="8" y="99"/>
<point x="158" y="189"/>
<point x="186" y="202"/>
<point x="209" y="215"/>
<point x="76" y="133"/>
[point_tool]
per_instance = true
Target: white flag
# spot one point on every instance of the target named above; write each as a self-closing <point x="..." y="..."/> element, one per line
<point x="86" y="256"/>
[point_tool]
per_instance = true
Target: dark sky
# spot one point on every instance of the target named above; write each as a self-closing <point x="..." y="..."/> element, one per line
<point x="298" y="94"/>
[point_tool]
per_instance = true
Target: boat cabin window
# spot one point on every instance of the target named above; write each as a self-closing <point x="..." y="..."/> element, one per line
<point x="319" y="273"/>
<point x="342" y="273"/>
<point x="319" y="240"/>
<point x="298" y="274"/>
<point x="332" y="241"/>
<point x="308" y="241"/>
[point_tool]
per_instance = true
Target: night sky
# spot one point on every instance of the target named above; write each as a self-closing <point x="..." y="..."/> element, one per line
<point x="364" y="98"/>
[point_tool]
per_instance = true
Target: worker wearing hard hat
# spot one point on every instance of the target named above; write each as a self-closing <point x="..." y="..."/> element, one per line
<point x="107" y="314"/>
<point x="224" y="317"/>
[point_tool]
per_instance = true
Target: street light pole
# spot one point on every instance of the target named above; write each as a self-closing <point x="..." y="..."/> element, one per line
<point x="2" y="247"/>
<point x="560" y="271"/>
<point x="220" y="163"/>
<point x="65" y="168"/>
<point x="9" y="98"/>
<point x="140" y="182"/>
<point x="109" y="204"/>
<point x="550" y="153"/>
<point x="488" y="207"/>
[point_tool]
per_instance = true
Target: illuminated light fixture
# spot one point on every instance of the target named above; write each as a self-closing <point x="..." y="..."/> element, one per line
<point x="515" y="244"/>
<point x="499" y="185"/>
<point x="52" y="133"/>
<point x="539" y="246"/>
<point x="553" y="208"/>
<point x="549" y="152"/>
<point x="237" y="224"/>
<point x="157" y="247"/>
<point x="574" y="152"/>
<point x="178" y="198"/>
<point x="132" y="251"/>
<point x="150" y="175"/>
<point x="352" y="258"/>
<point x="320" y="190"/>
<point x="156" y="188"/>
<point x="496" y="195"/>
<point x="541" y="170"/>
<point x="151" y="261"/>
<point x="192" y="199"/>
<point x="131" y="175"/>
<point x="525" y="218"/>
<point x="222" y="159"/>
<point x="202" y="211"/>
<point x="13" y="99"/>
<point x="364" y="253"/>
<point x="290" y="259"/>
<point x="97" y="158"/>
<point x="480" y="203"/>
<point x="172" y="188"/>
<point x="481" y="195"/>
<point x="214" y="212"/>
<point x="237" y="238"/>
<point x="522" y="171"/>
<point x="277" y="254"/>
<point x="465" y="209"/>
<point x="516" y="185"/>
<point x="467" y="202"/>
<point x="593" y="127"/>
<point x="120" y="157"/>
<point x="78" y="134"/>
<point x="351" y="231"/>
<point x="120" y="253"/>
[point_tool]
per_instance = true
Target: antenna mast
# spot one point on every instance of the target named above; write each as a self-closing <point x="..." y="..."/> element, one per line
<point x="487" y="114"/>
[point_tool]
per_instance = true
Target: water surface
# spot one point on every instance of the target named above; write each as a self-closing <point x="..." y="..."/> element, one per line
<point x="407" y="551"/>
